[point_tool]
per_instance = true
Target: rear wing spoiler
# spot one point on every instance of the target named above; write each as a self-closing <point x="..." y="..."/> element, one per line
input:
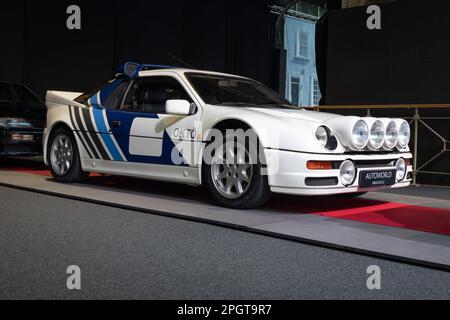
<point x="62" y="97"/>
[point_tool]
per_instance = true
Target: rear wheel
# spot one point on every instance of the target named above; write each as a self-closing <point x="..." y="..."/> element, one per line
<point x="63" y="157"/>
<point x="234" y="180"/>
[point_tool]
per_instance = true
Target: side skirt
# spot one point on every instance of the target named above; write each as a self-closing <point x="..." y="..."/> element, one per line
<point x="178" y="174"/>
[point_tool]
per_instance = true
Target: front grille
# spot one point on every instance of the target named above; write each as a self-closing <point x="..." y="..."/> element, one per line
<point x="368" y="163"/>
<point x="375" y="163"/>
<point x="321" y="182"/>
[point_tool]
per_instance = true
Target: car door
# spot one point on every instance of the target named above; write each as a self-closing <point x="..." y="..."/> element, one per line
<point x="145" y="133"/>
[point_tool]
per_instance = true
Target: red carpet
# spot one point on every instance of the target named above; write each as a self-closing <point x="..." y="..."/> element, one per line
<point x="41" y="172"/>
<point x="391" y="214"/>
<point x="398" y="215"/>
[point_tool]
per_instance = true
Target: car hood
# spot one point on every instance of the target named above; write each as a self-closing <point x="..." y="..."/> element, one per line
<point x="292" y="129"/>
<point x="296" y="114"/>
<point x="277" y="128"/>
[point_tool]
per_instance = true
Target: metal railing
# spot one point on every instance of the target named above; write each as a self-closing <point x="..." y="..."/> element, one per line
<point x="415" y="120"/>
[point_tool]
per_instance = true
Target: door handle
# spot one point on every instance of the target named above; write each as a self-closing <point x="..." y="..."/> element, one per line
<point x="115" y="124"/>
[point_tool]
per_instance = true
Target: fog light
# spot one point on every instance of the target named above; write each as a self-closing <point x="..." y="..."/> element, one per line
<point x="404" y="134"/>
<point x="347" y="173"/>
<point x="391" y="137"/>
<point x="401" y="169"/>
<point x="376" y="137"/>
<point x="360" y="134"/>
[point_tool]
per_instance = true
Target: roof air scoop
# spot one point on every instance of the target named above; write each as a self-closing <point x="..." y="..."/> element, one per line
<point x="127" y="69"/>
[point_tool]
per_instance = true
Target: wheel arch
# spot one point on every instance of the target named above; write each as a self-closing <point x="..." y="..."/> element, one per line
<point x="48" y="133"/>
<point x="222" y="125"/>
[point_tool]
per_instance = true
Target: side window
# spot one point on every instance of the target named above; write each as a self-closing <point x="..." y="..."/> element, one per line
<point x="151" y="93"/>
<point x="83" y="99"/>
<point x="115" y="98"/>
<point x="5" y="92"/>
<point x="25" y="95"/>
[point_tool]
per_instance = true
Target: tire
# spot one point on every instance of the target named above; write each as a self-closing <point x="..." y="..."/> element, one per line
<point x="62" y="148"/>
<point x="351" y="195"/>
<point x="255" y="193"/>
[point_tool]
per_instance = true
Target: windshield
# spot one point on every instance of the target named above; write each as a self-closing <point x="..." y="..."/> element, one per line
<point x="232" y="91"/>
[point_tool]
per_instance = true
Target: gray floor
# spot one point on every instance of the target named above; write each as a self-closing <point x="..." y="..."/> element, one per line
<point x="285" y="216"/>
<point x="435" y="192"/>
<point x="127" y="254"/>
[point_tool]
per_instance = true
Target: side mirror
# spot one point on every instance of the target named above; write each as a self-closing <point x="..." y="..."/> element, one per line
<point x="178" y="107"/>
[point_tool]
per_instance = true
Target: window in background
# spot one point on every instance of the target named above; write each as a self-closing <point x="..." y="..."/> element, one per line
<point x="295" y="91"/>
<point x="315" y="92"/>
<point x="301" y="48"/>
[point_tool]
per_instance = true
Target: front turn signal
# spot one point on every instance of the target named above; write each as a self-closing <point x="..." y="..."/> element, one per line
<point x="319" y="165"/>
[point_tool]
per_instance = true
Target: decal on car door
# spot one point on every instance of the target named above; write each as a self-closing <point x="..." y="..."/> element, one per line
<point x="84" y="128"/>
<point x="144" y="140"/>
<point x="139" y="138"/>
<point x="117" y="135"/>
<point x="103" y="129"/>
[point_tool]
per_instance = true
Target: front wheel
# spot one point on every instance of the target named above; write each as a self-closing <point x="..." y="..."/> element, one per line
<point x="63" y="157"/>
<point x="234" y="180"/>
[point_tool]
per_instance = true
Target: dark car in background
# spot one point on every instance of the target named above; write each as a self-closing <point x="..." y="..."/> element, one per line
<point x="22" y="120"/>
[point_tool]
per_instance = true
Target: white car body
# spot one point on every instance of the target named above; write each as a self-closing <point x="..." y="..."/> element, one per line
<point x="142" y="148"/>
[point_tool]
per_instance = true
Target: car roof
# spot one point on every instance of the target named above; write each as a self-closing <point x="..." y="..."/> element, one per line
<point x="186" y="70"/>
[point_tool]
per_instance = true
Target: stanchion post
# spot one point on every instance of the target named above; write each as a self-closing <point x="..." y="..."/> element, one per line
<point x="416" y="135"/>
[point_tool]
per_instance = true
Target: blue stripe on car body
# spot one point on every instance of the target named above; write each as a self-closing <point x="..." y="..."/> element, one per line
<point x="97" y="110"/>
<point x="99" y="121"/>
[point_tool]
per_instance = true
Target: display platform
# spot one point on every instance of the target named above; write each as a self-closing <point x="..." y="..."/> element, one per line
<point x="392" y="225"/>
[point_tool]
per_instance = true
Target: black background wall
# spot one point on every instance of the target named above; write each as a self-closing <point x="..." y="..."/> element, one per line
<point x="224" y="35"/>
<point x="12" y="41"/>
<point x="406" y="62"/>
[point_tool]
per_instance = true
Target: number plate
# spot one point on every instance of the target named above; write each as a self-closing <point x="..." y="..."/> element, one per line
<point x="374" y="178"/>
<point x="20" y="137"/>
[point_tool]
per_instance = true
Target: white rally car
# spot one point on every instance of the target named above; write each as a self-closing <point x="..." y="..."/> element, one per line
<point x="157" y="122"/>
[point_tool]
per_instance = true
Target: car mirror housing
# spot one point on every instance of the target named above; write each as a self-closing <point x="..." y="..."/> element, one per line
<point x="178" y="107"/>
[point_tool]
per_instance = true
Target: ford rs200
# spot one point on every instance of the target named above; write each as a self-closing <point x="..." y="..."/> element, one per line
<point x="229" y="133"/>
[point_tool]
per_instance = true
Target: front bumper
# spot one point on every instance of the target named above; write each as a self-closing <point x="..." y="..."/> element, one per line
<point x="11" y="147"/>
<point x="288" y="173"/>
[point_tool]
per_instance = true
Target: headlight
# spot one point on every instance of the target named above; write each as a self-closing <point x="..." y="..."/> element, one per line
<point x="401" y="169"/>
<point x="347" y="173"/>
<point x="376" y="138"/>
<point x="322" y="136"/>
<point x="391" y="138"/>
<point x="326" y="138"/>
<point x="360" y="134"/>
<point x="404" y="134"/>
